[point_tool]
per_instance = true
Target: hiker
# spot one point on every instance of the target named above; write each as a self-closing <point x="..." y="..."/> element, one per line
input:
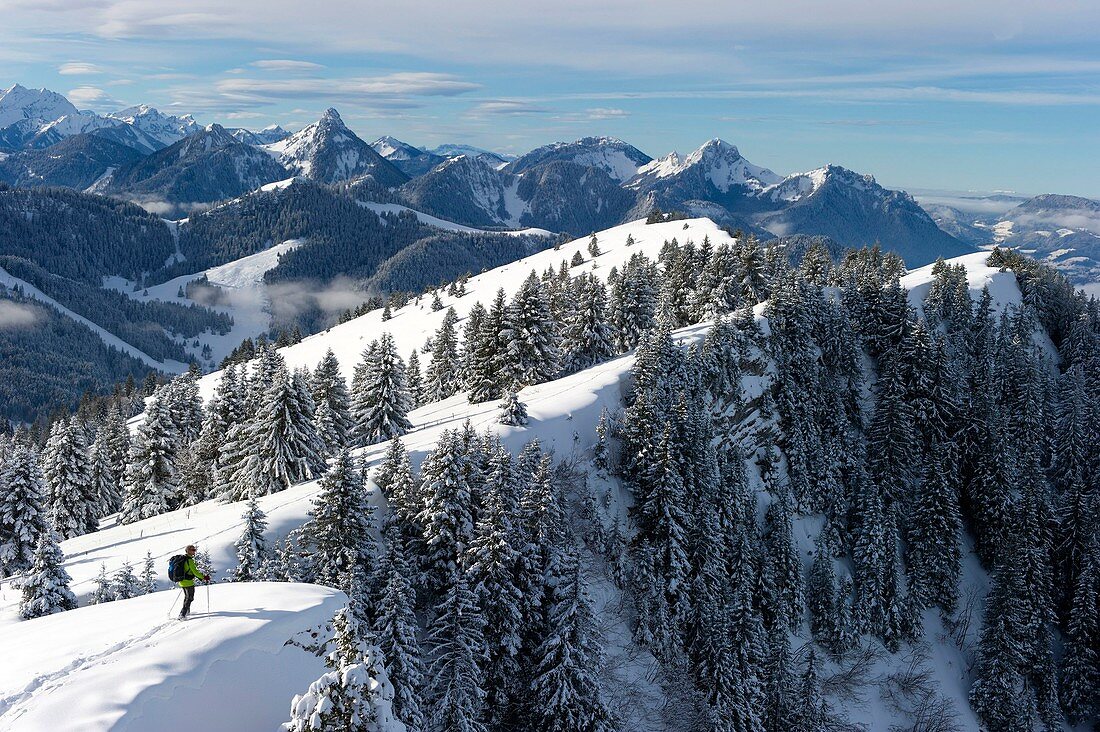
<point x="190" y="574"/>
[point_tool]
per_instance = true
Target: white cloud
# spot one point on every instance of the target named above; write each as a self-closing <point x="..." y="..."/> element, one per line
<point x="597" y="113"/>
<point x="286" y="65"/>
<point x="506" y="108"/>
<point x="90" y="96"/>
<point x="78" y="68"/>
<point x="14" y="315"/>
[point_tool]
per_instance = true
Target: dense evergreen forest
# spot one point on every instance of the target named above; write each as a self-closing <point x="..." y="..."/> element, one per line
<point x="908" y="443"/>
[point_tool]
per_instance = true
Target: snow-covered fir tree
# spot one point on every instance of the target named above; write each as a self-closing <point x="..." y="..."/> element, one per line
<point x="381" y="403"/>
<point x="457" y="642"/>
<point x="396" y="629"/>
<point x="73" y="497"/>
<point x="354" y="695"/>
<point x="104" y="588"/>
<point x="532" y="353"/>
<point x="148" y="577"/>
<point x="566" y="689"/>
<point x="333" y="404"/>
<point x="23" y="515"/>
<point x="251" y="547"/>
<point x="151" y="480"/>
<point x="512" y="411"/>
<point x="340" y="532"/>
<point x="124" y="583"/>
<point x="447" y="511"/>
<point x="442" y="378"/>
<point x="46" y="586"/>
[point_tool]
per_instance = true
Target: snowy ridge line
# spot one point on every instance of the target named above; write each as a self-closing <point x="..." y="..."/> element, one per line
<point x="168" y="366"/>
<point x="428" y="219"/>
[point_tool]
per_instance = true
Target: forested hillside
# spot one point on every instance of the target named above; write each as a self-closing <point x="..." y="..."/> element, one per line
<point x="757" y="495"/>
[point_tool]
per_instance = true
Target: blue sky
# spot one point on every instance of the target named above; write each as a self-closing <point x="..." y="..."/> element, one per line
<point x="959" y="95"/>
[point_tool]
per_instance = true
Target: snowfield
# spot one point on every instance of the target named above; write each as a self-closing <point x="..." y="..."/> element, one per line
<point x="125" y="666"/>
<point x="120" y="665"/>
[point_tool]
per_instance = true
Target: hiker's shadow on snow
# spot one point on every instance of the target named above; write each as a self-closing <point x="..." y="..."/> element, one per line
<point x="254" y="613"/>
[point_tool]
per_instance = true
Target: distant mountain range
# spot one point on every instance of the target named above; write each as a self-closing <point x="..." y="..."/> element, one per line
<point x="1063" y="231"/>
<point x="173" y="165"/>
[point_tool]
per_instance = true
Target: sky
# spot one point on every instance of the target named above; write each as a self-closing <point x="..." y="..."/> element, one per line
<point x="959" y="95"/>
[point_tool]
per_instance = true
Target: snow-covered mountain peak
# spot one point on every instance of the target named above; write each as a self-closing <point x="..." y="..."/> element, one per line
<point x="393" y="149"/>
<point x="19" y="103"/>
<point x="720" y="162"/>
<point x="164" y="129"/>
<point x="328" y="151"/>
<point x="619" y="159"/>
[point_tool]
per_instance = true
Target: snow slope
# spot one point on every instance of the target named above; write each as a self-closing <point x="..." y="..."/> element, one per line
<point x="563" y="415"/>
<point x="125" y="666"/>
<point x="395" y="208"/>
<point x="169" y="366"/>
<point x="246" y="297"/>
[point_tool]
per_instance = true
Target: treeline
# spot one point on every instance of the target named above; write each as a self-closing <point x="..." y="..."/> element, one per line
<point x="48" y="361"/>
<point x="141" y="324"/>
<point x="81" y="237"/>
<point x="895" y="436"/>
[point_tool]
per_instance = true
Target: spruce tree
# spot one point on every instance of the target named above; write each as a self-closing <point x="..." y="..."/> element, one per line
<point x="442" y="378"/>
<point x="396" y="630"/>
<point x="512" y="411"/>
<point x="457" y="641"/>
<point x="493" y="561"/>
<point x="251" y="547"/>
<point x="354" y="695"/>
<point x="934" y="559"/>
<point x="333" y="413"/>
<point x="530" y="336"/>
<point x="339" y="533"/>
<point x="416" y="381"/>
<point x="588" y="338"/>
<point x="151" y="479"/>
<point x="381" y="404"/>
<point x="279" y="445"/>
<point x="485" y="357"/>
<point x="104" y="591"/>
<point x="73" y="499"/>
<point x="124" y="583"/>
<point x="566" y="694"/>
<point x="447" y="511"/>
<point x="148" y="576"/>
<point x="46" y="586"/>
<point x="23" y="517"/>
<point x="104" y="484"/>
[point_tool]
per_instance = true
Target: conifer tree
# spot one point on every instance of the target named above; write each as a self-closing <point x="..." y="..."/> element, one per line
<point x="782" y="555"/>
<point x="1080" y="672"/>
<point x="148" y="576"/>
<point x="354" y="696"/>
<point x="104" y="591"/>
<point x="493" y="561"/>
<point x="396" y="630"/>
<point x="251" y="547"/>
<point x="632" y="302"/>
<point x="485" y="357"/>
<point x="73" y="499"/>
<point x="46" y="586"/>
<point x="934" y="559"/>
<point x="279" y="446"/>
<point x="447" y="511"/>
<point x="566" y="692"/>
<point x="810" y="711"/>
<point x="381" y="404"/>
<point x="530" y="334"/>
<point x="821" y="596"/>
<point x="151" y="479"/>
<point x="103" y="482"/>
<point x="124" y="583"/>
<point x="587" y="338"/>
<point x="23" y="517"/>
<point x="333" y="413"/>
<point x="512" y="412"/>
<point x="339" y="533"/>
<point x="456" y="638"/>
<point x="415" y="380"/>
<point x="442" y="378"/>
<point x="779" y="691"/>
<point x="113" y="441"/>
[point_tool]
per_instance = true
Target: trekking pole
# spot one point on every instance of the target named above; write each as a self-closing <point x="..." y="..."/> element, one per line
<point x="174" y="603"/>
<point x="207" y="598"/>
